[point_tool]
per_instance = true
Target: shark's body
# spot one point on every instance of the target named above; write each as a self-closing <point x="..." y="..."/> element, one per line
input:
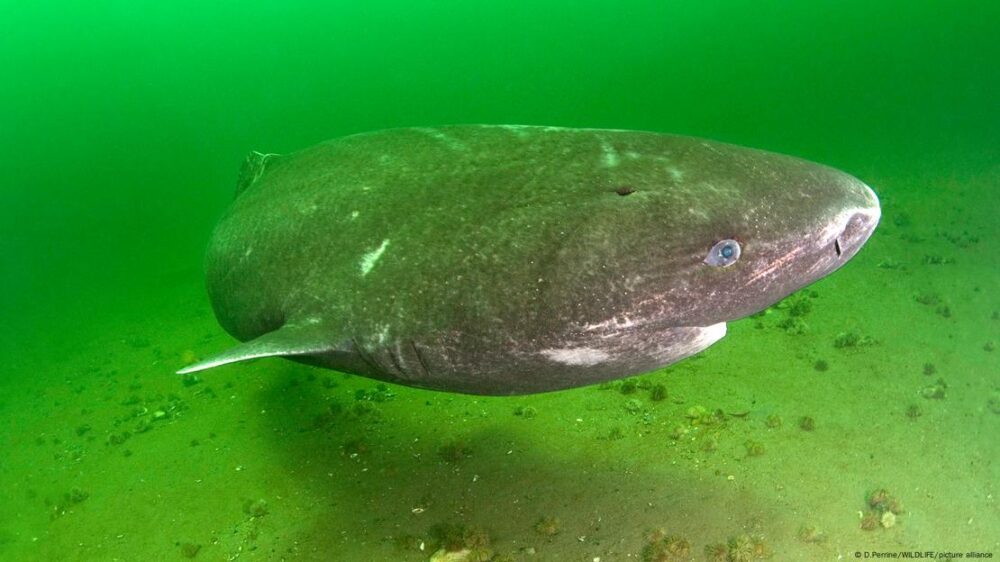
<point x="515" y="259"/>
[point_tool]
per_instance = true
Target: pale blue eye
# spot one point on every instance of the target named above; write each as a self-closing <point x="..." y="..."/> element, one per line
<point x="724" y="253"/>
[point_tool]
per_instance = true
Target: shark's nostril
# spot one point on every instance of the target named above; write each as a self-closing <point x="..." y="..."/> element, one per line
<point x="855" y="233"/>
<point x="861" y="226"/>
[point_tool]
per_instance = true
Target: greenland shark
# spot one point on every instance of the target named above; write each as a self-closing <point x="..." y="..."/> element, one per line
<point x="500" y="259"/>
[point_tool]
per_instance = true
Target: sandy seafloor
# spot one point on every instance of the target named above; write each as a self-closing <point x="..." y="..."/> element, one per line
<point x="109" y="456"/>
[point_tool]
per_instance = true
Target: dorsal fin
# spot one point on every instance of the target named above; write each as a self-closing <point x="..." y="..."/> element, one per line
<point x="287" y="341"/>
<point x="254" y="166"/>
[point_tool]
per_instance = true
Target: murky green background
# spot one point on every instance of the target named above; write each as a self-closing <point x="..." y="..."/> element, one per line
<point x="122" y="127"/>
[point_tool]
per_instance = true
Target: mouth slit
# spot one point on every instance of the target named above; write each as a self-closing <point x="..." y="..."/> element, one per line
<point x="836" y="247"/>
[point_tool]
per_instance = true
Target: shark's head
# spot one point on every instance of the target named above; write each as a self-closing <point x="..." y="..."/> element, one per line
<point x="758" y="228"/>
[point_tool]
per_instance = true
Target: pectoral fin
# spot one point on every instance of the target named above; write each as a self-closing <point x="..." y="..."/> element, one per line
<point x="287" y="341"/>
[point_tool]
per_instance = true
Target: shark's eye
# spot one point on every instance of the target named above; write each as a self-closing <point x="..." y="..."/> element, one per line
<point x="725" y="252"/>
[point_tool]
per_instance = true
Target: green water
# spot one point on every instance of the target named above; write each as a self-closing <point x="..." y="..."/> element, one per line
<point x="122" y="126"/>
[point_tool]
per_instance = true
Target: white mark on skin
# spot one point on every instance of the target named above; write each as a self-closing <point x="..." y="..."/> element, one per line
<point x="581" y="356"/>
<point x="613" y="324"/>
<point x="525" y="129"/>
<point x="610" y="156"/>
<point x="248" y="251"/>
<point x="354" y="214"/>
<point x="452" y="143"/>
<point x="368" y="260"/>
<point x="383" y="334"/>
<point x="778" y="263"/>
<point x="675" y="173"/>
<point x="401" y="363"/>
<point x="698" y="212"/>
<point x="585" y="130"/>
<point x="520" y="131"/>
<point x="632" y="155"/>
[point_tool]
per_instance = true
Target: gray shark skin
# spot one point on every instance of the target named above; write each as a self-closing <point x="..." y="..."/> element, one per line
<point x="492" y="259"/>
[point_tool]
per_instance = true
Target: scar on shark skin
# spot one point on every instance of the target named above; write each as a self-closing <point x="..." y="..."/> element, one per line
<point x="369" y="260"/>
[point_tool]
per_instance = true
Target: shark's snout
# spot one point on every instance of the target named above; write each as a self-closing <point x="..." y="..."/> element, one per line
<point x="860" y="224"/>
